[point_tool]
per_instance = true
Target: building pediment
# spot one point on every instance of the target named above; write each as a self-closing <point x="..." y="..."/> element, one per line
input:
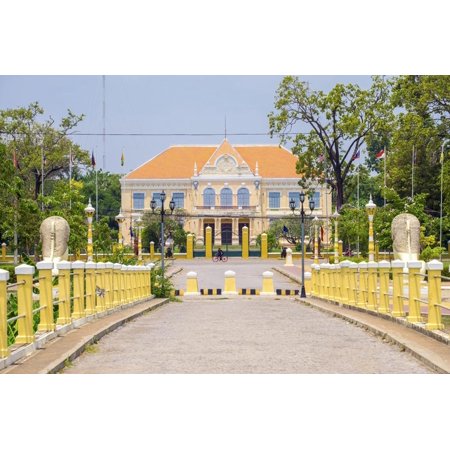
<point x="226" y="164"/>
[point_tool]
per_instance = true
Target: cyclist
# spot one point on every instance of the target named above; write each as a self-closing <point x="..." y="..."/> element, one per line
<point x="219" y="253"/>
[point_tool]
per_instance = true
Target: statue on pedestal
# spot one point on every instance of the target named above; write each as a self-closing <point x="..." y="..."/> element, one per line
<point x="55" y="233"/>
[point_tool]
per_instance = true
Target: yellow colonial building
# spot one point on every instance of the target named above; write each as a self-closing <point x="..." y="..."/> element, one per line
<point x="226" y="187"/>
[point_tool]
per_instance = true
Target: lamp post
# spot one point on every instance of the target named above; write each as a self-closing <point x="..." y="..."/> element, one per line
<point x="336" y="216"/>
<point x="370" y="208"/>
<point x="120" y="218"/>
<point x="89" y="211"/>
<point x="316" y="240"/>
<point x="302" y="216"/>
<point x="446" y="141"/>
<point x="139" y="231"/>
<point x="162" y="197"/>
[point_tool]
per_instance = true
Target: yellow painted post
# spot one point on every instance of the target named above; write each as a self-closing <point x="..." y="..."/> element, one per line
<point x="117" y="278"/>
<point x="129" y="283"/>
<point x="90" y="287"/>
<point x="123" y="284"/>
<point x="314" y="276"/>
<point x="78" y="289"/>
<point x="377" y="251"/>
<point x="46" y="322"/>
<point x="4" y="277"/>
<point x="152" y="251"/>
<point x="192" y="284"/>
<point x="190" y="246"/>
<point x="383" y="301"/>
<point x="308" y="283"/>
<point x="414" y="292"/>
<point x="64" y="313"/>
<point x="267" y="284"/>
<point x="332" y="271"/>
<point x="109" y="296"/>
<point x="362" y="285"/>
<point x="89" y="211"/>
<point x="3" y="251"/>
<point x="100" y="287"/>
<point x="353" y="283"/>
<point x="135" y="280"/>
<point x="244" y="242"/>
<point x="140" y="282"/>
<point x="230" y="283"/>
<point x="208" y="242"/>
<point x="264" y="248"/>
<point x="345" y="282"/>
<point x="326" y="280"/>
<point x="372" y="267"/>
<point x="398" y="309"/>
<point x="337" y="276"/>
<point x="434" y="321"/>
<point x="24" y="274"/>
<point x="341" y="248"/>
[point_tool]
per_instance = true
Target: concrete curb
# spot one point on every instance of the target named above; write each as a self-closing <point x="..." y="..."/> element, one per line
<point x="76" y="341"/>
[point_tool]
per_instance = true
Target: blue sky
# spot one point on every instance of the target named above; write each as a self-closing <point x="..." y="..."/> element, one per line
<point x="156" y="104"/>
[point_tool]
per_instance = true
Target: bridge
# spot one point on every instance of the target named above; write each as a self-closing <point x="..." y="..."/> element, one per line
<point x="354" y="320"/>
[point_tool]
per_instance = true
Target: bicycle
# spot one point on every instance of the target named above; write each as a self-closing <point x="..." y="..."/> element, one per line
<point x="217" y="258"/>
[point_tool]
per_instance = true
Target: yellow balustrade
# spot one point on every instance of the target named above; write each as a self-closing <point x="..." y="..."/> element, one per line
<point x="372" y="269"/>
<point x="327" y="280"/>
<point x="208" y="242"/>
<point x="24" y="274"/>
<point x="4" y="277"/>
<point x="362" y="285"/>
<point x="353" y="283"/>
<point x="190" y="246"/>
<point x="333" y="291"/>
<point x="46" y="320"/>
<point x="434" y="321"/>
<point x="116" y="284"/>
<point x="264" y="247"/>
<point x="78" y="289"/>
<point x="91" y="268"/>
<point x="123" y="285"/>
<point x="100" y="287"/>
<point x="245" y="242"/>
<point x="314" y="281"/>
<point x="414" y="292"/>
<point x="398" y="309"/>
<point x="109" y="296"/>
<point x="345" y="283"/>
<point x="383" y="301"/>
<point x="64" y="314"/>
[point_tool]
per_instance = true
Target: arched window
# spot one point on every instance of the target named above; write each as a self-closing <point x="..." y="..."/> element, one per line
<point x="209" y="197"/>
<point x="226" y="197"/>
<point x="243" y="197"/>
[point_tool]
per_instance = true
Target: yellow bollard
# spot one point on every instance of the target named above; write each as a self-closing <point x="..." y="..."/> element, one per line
<point x="190" y="246"/>
<point x="434" y="321"/>
<point x="372" y="267"/>
<point x="3" y="252"/>
<point x="362" y="285"/>
<point x="208" y="242"/>
<point x="24" y="274"/>
<point x="4" y="350"/>
<point x="398" y="309"/>
<point x="64" y="315"/>
<point x="192" y="284"/>
<point x="116" y="284"/>
<point x="267" y="284"/>
<point x="152" y="251"/>
<point x="90" y="287"/>
<point x="46" y="321"/>
<point x="244" y="242"/>
<point x="308" y="283"/>
<point x="230" y="283"/>
<point x="100" y="289"/>
<point x="345" y="282"/>
<point x="383" y="301"/>
<point x="288" y="260"/>
<point x="352" y="283"/>
<point x="414" y="292"/>
<point x="78" y="289"/>
<point x="109" y="296"/>
<point x="264" y="247"/>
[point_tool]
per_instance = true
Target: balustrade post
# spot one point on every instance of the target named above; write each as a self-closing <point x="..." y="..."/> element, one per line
<point x="337" y="282"/>
<point x="100" y="287"/>
<point x="326" y="281"/>
<point x="414" y="292"/>
<point x="24" y="274"/>
<point x="64" y="313"/>
<point x="383" y="303"/>
<point x="353" y="283"/>
<point x="434" y="321"/>
<point x="116" y="284"/>
<point x="78" y="290"/>
<point x="345" y="284"/>
<point x="46" y="319"/>
<point x="4" y="350"/>
<point x="152" y="251"/>
<point x="91" y="268"/>
<point x="109" y="295"/>
<point x="398" y="309"/>
<point x="332" y="282"/>
<point x="372" y="269"/>
<point x="362" y="285"/>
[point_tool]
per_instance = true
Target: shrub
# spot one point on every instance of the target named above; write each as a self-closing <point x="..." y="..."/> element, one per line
<point x="431" y="253"/>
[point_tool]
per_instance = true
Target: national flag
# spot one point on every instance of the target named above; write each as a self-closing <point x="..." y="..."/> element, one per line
<point x="122" y="160"/>
<point x="380" y="154"/>
<point x="92" y="160"/>
<point x="356" y="155"/>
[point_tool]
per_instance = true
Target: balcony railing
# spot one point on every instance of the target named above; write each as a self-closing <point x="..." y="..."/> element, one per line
<point x="234" y="207"/>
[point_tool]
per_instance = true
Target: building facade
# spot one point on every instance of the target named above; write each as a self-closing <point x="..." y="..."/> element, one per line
<point x="226" y="187"/>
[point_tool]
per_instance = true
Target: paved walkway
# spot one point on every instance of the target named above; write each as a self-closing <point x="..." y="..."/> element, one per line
<point x="243" y="335"/>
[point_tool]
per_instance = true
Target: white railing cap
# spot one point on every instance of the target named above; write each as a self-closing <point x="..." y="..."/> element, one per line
<point x="63" y="265"/>
<point x="288" y="250"/>
<point x="372" y="265"/>
<point x="435" y="265"/>
<point x="101" y="265"/>
<point x="151" y="265"/>
<point x="331" y="266"/>
<point x="124" y="267"/>
<point x="109" y="265"/>
<point x="230" y="273"/>
<point x="117" y="266"/>
<point x="4" y="275"/>
<point x="24" y="269"/>
<point x="384" y="265"/>
<point x="345" y="263"/>
<point x="191" y="274"/>
<point x="353" y="265"/>
<point x="78" y="265"/>
<point x="397" y="264"/>
<point x="414" y="264"/>
<point x="337" y="266"/>
<point x="267" y="274"/>
<point x="362" y="265"/>
<point x="307" y="275"/>
<point x="90" y="265"/>
<point x="44" y="265"/>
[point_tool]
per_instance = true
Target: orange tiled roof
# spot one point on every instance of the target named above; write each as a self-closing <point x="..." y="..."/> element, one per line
<point x="178" y="161"/>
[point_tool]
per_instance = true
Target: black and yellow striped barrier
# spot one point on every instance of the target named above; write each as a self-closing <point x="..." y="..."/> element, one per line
<point x="211" y="291"/>
<point x="242" y="291"/>
<point x="177" y="292"/>
<point x="248" y="291"/>
<point x="287" y="291"/>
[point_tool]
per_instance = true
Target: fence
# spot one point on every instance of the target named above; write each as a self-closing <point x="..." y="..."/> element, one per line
<point x="79" y="290"/>
<point x="368" y="286"/>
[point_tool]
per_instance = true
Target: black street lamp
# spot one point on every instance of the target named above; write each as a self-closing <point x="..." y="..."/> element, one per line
<point x="162" y="197"/>
<point x="302" y="216"/>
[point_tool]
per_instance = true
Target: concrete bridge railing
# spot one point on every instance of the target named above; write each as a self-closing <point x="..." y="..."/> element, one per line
<point x="79" y="292"/>
<point x="384" y="287"/>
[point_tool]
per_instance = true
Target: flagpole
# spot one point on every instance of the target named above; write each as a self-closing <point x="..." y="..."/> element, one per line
<point x="385" y="157"/>
<point x="42" y="180"/>
<point x="96" y="193"/>
<point x="412" y="173"/>
<point x="70" y="178"/>
<point x="357" y="196"/>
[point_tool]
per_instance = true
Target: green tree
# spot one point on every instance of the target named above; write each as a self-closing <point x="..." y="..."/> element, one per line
<point x="339" y="123"/>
